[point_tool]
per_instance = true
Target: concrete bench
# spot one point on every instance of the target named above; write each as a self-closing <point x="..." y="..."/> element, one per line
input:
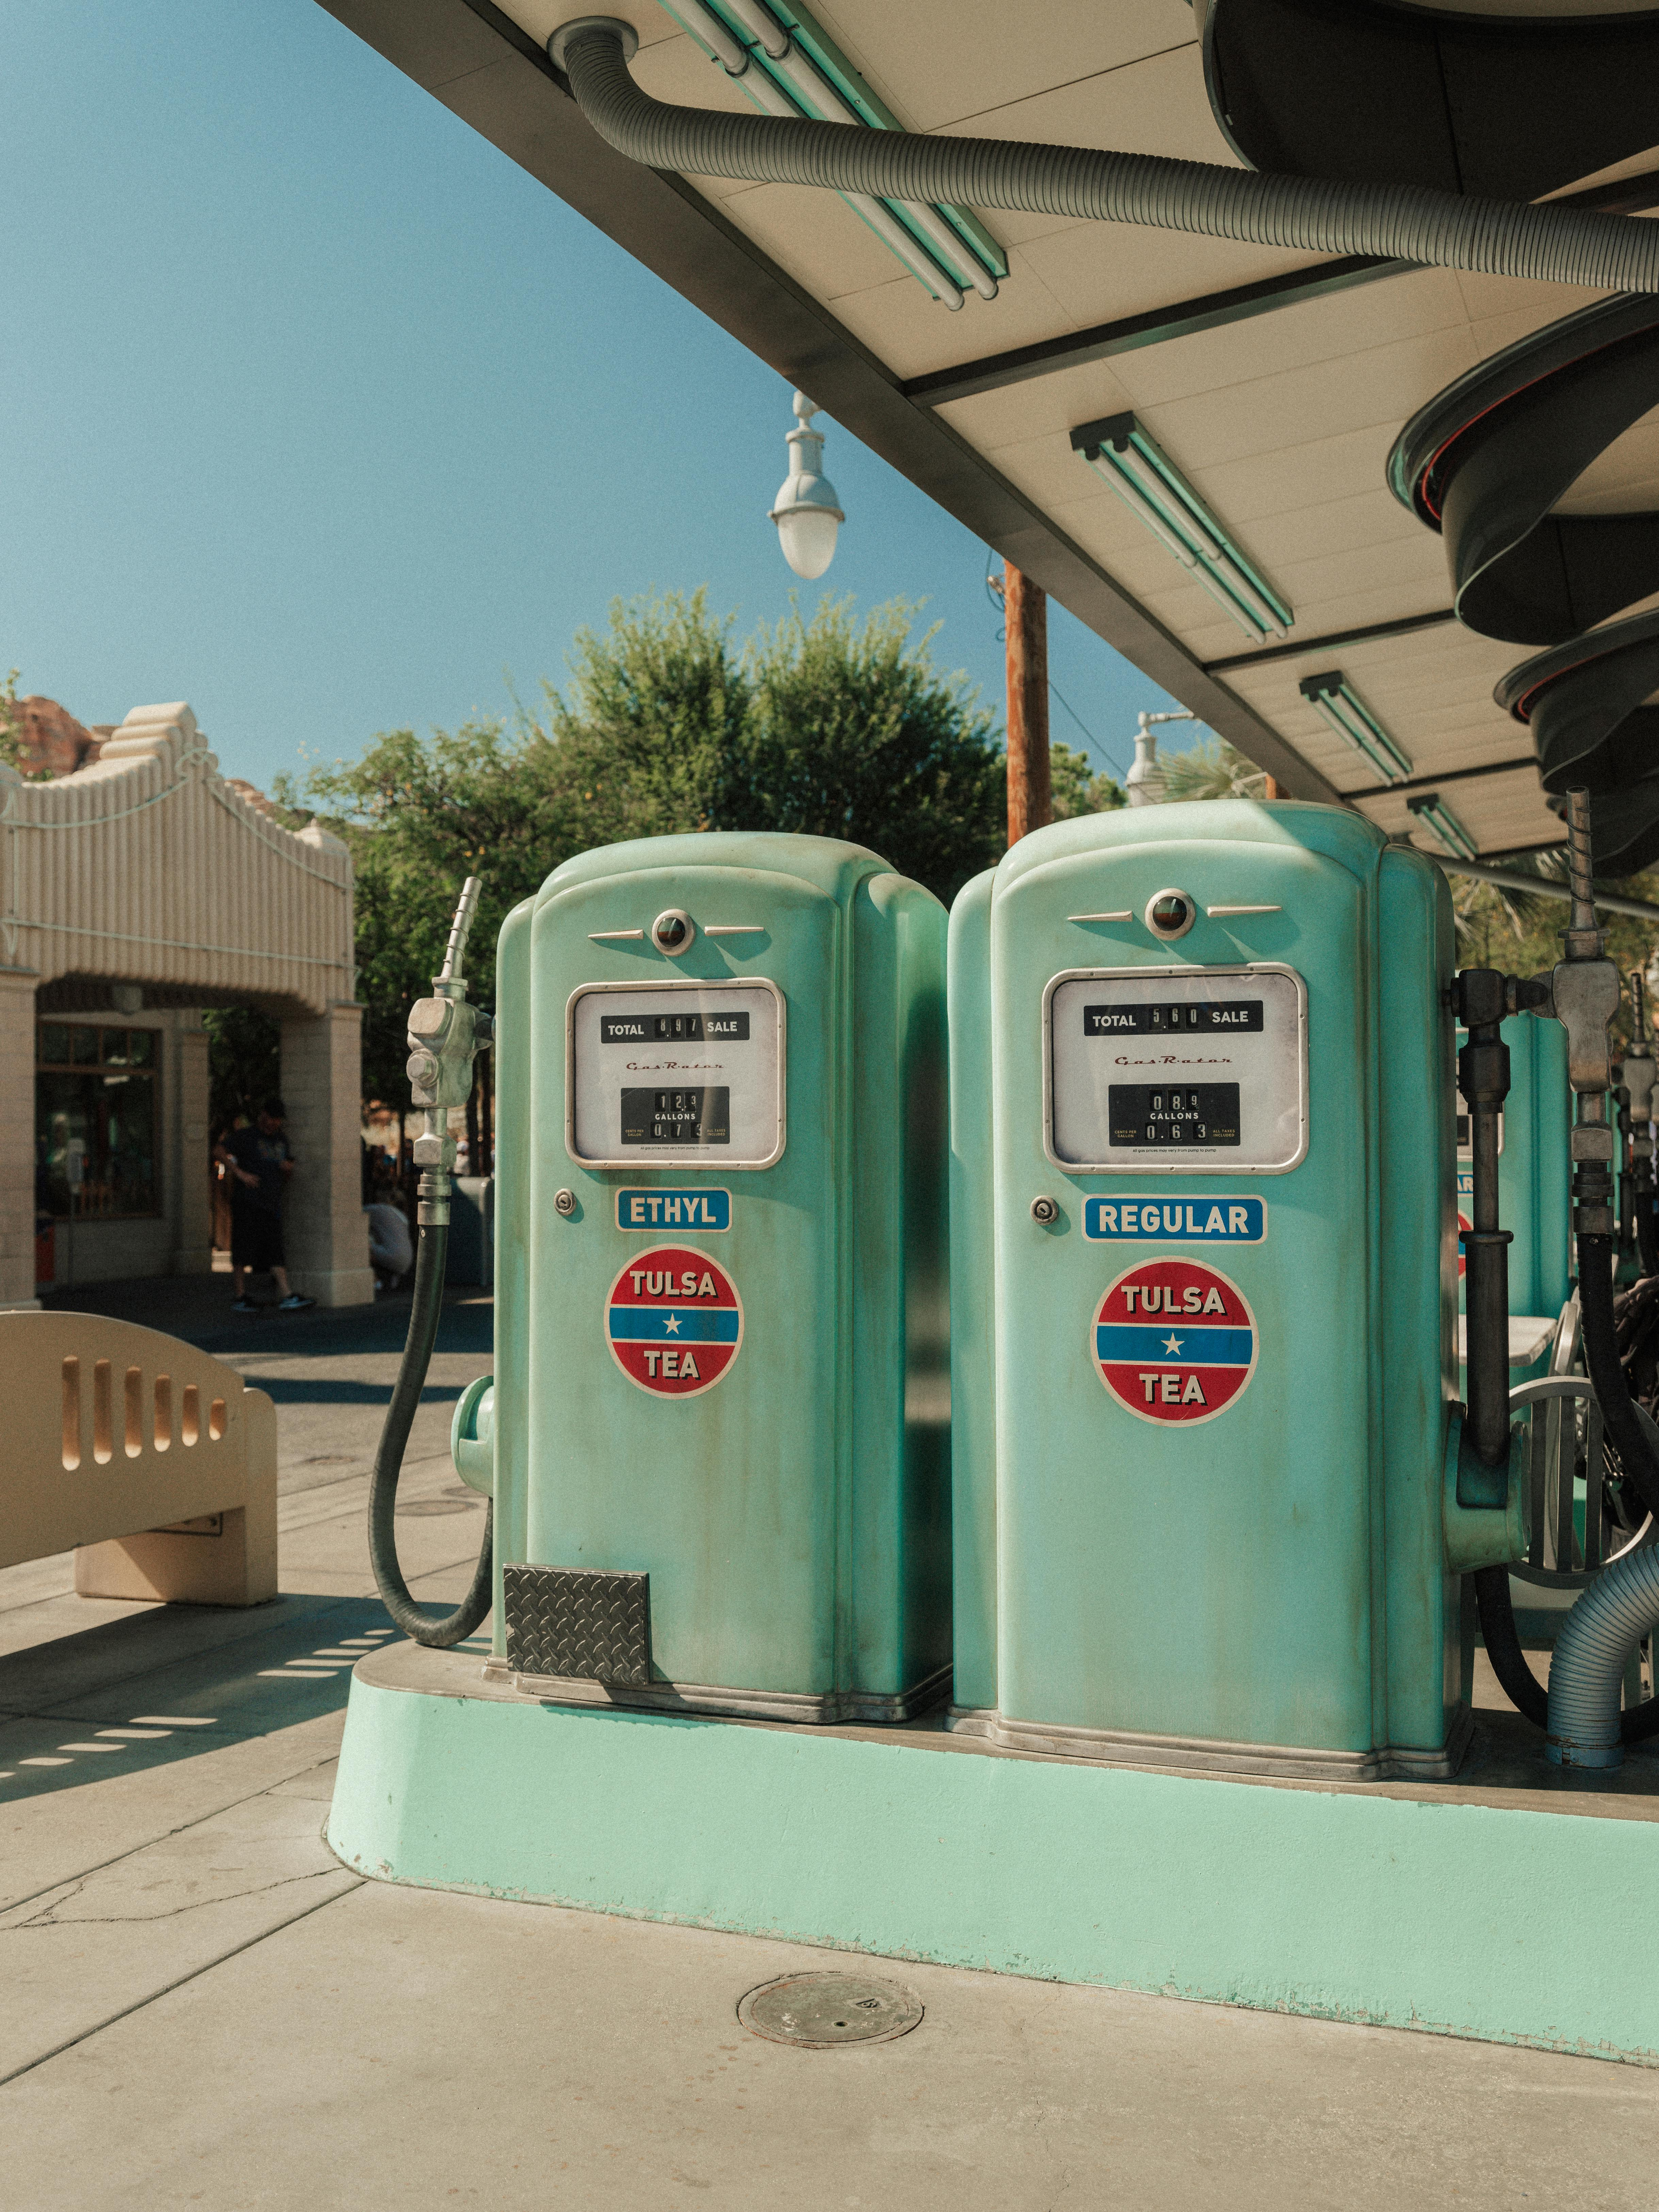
<point x="157" y="1463"/>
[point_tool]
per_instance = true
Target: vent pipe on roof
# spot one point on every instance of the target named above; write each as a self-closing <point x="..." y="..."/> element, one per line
<point x="1547" y="242"/>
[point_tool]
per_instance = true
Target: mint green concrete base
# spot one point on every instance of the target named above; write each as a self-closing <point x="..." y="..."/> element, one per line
<point x="1469" y="1919"/>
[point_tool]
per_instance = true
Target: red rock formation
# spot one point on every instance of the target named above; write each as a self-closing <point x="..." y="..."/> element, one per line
<point x="51" y="738"/>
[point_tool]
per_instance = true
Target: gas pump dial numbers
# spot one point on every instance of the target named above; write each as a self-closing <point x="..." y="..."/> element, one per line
<point x="680" y="1075"/>
<point x="1183" y="1070"/>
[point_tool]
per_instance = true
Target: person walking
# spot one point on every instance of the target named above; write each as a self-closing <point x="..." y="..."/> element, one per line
<point x="258" y="1163"/>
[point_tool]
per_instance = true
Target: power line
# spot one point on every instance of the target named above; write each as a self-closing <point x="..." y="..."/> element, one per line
<point x="1089" y="736"/>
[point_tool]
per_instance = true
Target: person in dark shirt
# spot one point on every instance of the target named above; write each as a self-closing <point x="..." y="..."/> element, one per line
<point x="258" y="1163"/>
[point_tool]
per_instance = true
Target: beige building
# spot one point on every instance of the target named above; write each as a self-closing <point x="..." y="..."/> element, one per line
<point x="133" y="893"/>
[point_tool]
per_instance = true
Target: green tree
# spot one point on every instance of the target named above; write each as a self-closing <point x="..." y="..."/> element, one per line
<point x="11" y="737"/>
<point x="420" y="815"/>
<point x="1078" y="788"/>
<point x="659" y="706"/>
<point x="850" y="732"/>
<point x="1210" y="769"/>
<point x="826" y="727"/>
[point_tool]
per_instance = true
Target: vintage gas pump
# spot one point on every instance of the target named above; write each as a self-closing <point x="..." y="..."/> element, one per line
<point x="1212" y="1503"/>
<point x="717" y="1434"/>
<point x="1580" y="1711"/>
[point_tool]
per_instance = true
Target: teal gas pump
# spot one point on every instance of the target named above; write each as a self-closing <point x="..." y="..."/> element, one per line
<point x="717" y="1436"/>
<point x="1580" y="1711"/>
<point x="1212" y="1485"/>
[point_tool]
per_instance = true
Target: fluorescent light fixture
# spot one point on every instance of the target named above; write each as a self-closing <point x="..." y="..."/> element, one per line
<point x="1444" y="825"/>
<point x="1332" y="697"/>
<point x="1131" y="460"/>
<point x="788" y="64"/>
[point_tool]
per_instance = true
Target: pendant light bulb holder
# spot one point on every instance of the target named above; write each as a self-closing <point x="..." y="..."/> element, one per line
<point x="808" y="512"/>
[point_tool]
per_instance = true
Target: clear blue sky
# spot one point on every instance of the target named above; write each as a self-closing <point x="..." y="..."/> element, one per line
<point x="320" y="413"/>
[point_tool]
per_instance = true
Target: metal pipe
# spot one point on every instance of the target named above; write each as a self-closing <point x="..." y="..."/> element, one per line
<point x="1483" y="1075"/>
<point x="1514" y="879"/>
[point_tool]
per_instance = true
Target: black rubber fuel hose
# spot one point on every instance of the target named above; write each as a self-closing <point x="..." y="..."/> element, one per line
<point x="1605" y="1369"/>
<point x="423" y="1317"/>
<point x="1514" y="1676"/>
<point x="1647" y="1232"/>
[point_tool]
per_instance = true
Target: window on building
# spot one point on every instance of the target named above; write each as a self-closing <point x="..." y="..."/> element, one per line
<point x="94" y="1086"/>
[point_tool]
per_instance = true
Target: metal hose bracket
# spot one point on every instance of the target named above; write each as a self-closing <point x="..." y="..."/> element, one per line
<point x="1547" y="242"/>
<point x="1486" y="1511"/>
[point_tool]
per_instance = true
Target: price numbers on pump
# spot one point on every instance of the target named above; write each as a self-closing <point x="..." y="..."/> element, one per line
<point x="1200" y="1114"/>
<point x="1186" y="1070"/>
<point x="698" y="1117"/>
<point x="727" y="1028"/>
<point x="689" y="1068"/>
<point x="1191" y="1018"/>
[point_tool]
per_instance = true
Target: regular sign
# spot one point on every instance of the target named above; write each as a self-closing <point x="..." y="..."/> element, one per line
<point x="1175" y="1340"/>
<point x="674" y="1321"/>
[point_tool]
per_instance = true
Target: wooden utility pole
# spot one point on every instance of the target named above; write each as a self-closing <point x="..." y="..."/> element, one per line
<point x="1025" y="611"/>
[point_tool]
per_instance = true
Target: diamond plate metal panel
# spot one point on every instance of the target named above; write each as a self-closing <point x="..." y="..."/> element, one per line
<point x="577" y="1623"/>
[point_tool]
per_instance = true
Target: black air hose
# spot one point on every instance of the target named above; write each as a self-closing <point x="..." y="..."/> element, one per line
<point x="424" y="1318"/>
<point x="1546" y="242"/>
<point x="1503" y="1642"/>
<point x="1606" y="1376"/>
<point x="1606" y="1372"/>
<point x="1647" y="1231"/>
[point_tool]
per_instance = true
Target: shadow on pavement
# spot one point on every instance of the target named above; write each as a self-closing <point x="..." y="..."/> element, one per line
<point x="175" y="1682"/>
<point x="197" y="1308"/>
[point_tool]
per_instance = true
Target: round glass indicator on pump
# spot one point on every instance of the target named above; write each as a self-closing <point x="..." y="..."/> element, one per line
<point x="1170" y="914"/>
<point x="672" y="932"/>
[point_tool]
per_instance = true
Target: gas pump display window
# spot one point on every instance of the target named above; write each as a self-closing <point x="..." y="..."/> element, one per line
<point x="1187" y="1070"/>
<point x="690" y="1075"/>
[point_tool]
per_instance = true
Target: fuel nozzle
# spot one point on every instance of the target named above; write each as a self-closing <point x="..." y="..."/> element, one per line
<point x="1585" y="992"/>
<point x="445" y="1035"/>
<point x="1641" y="1070"/>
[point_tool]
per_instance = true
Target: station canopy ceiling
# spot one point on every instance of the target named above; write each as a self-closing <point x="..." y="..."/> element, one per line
<point x="1242" y="397"/>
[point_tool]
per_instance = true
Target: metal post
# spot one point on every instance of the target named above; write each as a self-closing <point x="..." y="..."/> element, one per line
<point x="1025" y="607"/>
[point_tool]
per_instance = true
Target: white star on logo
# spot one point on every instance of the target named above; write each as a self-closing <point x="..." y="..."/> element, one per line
<point x="671" y="1326"/>
<point x="1172" y="1344"/>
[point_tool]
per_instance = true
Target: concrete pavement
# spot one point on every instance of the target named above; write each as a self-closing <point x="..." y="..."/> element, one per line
<point x="201" y="2006"/>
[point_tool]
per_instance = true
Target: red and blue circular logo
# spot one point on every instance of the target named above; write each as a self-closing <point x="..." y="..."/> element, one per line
<point x="674" y="1321"/>
<point x="1175" y="1340"/>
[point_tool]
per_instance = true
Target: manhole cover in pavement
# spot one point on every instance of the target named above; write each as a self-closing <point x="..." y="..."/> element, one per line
<point x="429" y="1505"/>
<point x="819" y="2011"/>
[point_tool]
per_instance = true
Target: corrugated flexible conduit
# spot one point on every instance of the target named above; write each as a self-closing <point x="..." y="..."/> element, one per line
<point x="1587" y="1671"/>
<point x="1546" y="242"/>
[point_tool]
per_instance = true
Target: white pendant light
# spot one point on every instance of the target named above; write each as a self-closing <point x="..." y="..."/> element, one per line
<point x="808" y="513"/>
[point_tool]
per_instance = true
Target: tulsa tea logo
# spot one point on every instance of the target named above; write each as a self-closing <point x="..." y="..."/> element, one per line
<point x="674" y="1321"/>
<point x="1174" y="1341"/>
